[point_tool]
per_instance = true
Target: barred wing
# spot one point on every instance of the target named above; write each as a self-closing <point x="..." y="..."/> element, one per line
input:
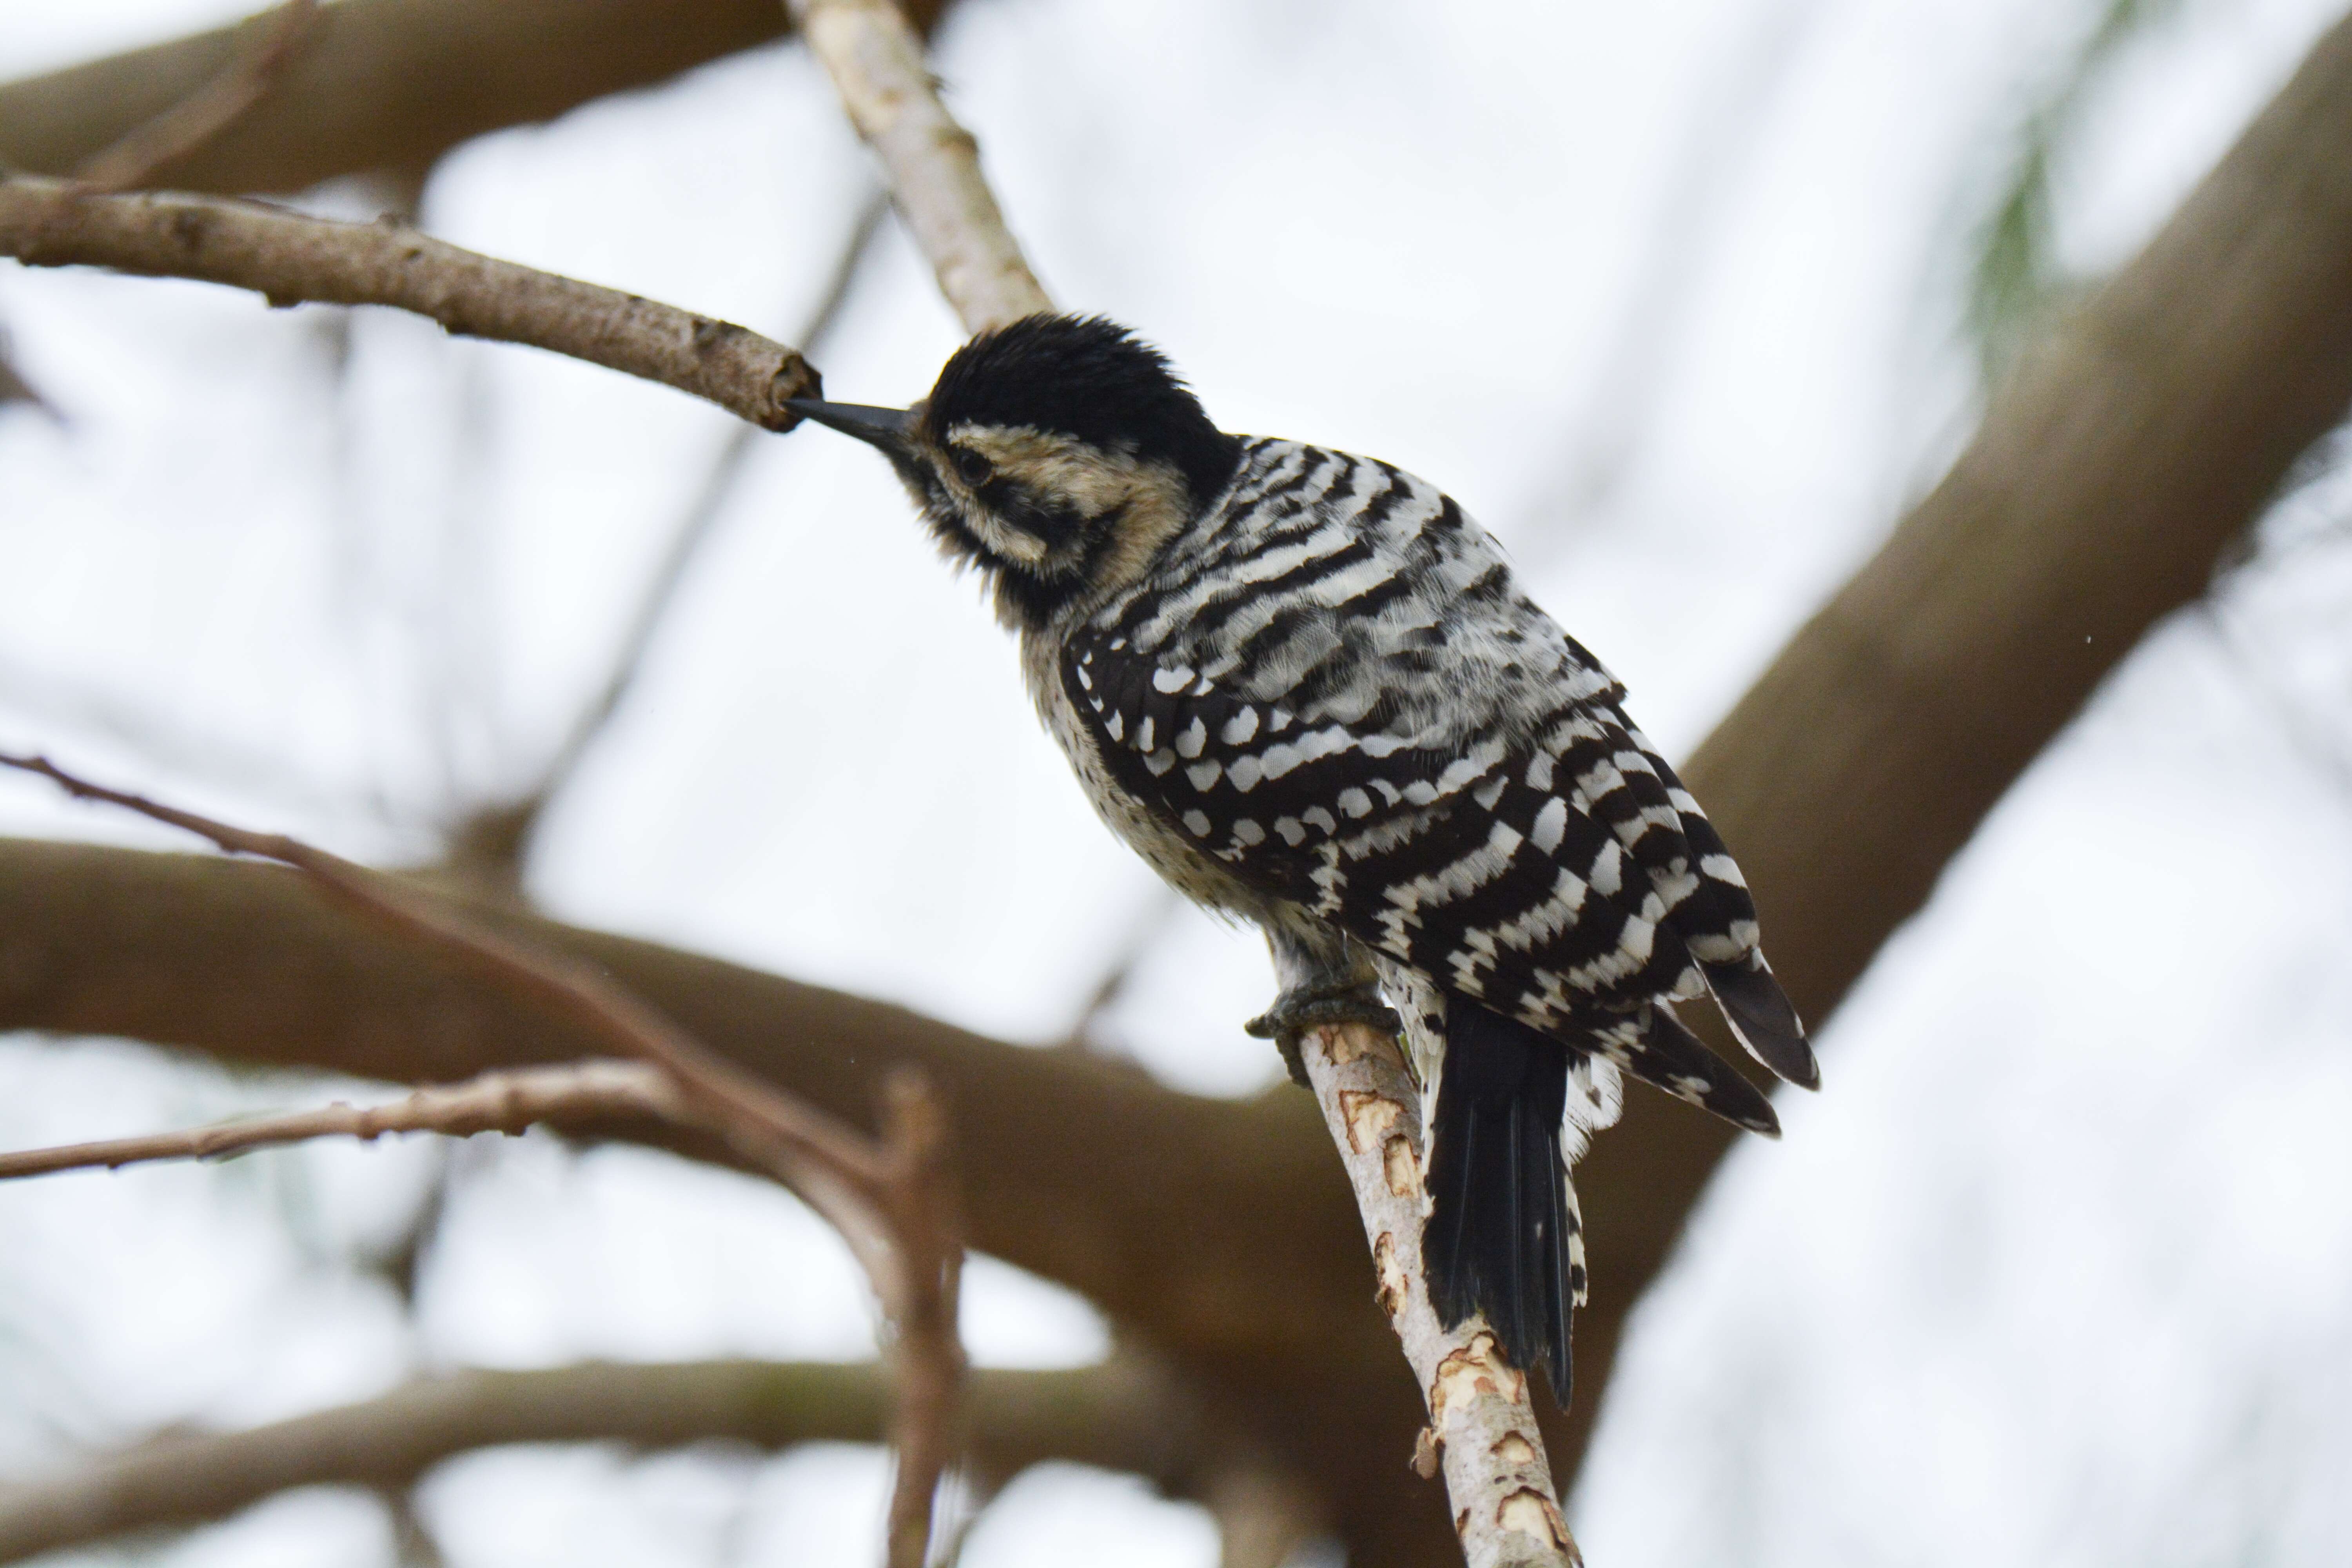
<point x="1564" y="879"/>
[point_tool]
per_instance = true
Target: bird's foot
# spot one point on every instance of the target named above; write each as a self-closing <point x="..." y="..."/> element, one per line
<point x="1305" y="1007"/>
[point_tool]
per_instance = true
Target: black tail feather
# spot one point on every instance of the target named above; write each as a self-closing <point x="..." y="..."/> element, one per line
<point x="1500" y="1220"/>
<point x="1763" y="1017"/>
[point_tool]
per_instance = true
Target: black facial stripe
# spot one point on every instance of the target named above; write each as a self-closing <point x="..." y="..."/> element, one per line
<point x="1056" y="523"/>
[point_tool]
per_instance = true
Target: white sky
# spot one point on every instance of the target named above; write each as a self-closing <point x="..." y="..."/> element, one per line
<point x="2057" y="1269"/>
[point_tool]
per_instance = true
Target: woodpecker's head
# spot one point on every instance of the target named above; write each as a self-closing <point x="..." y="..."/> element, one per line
<point x="1058" y="454"/>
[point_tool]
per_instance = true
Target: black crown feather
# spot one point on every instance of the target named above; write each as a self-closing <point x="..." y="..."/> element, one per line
<point x="1088" y="377"/>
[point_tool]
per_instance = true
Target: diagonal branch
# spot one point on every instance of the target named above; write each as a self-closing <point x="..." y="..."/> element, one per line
<point x="694" y="526"/>
<point x="876" y="61"/>
<point x="291" y="259"/>
<point x="829" y="1163"/>
<point x="2127" y="452"/>
<point x="1481" y="1414"/>
<point x="893" y="1202"/>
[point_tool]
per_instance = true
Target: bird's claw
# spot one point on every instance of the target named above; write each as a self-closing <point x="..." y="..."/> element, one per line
<point x="1295" y="1012"/>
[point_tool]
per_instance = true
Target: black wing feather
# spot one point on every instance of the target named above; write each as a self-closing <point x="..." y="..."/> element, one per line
<point x="1487" y="867"/>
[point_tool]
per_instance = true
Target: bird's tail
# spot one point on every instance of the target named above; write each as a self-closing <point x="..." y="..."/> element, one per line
<point x="1504" y="1236"/>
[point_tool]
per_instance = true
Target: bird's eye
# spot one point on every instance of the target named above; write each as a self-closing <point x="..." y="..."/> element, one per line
<point x="972" y="467"/>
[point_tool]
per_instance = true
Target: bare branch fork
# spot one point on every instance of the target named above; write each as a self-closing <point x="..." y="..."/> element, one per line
<point x="1506" y="1506"/>
<point x="892" y="1201"/>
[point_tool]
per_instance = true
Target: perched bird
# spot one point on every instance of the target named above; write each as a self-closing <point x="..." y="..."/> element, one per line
<point x="1304" y="686"/>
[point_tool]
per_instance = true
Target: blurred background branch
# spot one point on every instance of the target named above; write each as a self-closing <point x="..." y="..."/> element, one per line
<point x="381" y="84"/>
<point x="892" y="1198"/>
<point x="1122" y="1415"/>
<point x="181" y="130"/>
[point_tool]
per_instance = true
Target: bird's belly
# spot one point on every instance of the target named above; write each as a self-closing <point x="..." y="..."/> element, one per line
<point x="1197" y="875"/>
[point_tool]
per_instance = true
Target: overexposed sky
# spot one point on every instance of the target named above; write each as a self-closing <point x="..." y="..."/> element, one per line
<point x="2058" y="1269"/>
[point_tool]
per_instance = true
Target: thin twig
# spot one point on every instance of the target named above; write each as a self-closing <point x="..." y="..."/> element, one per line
<point x="291" y="259"/>
<point x="505" y="1102"/>
<point x="506" y="830"/>
<point x="876" y="61"/>
<point x="892" y="1201"/>
<point x="132" y="159"/>
<point x="800" y="1143"/>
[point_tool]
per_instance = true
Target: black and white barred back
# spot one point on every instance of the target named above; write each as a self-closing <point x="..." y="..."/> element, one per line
<point x="1335" y="702"/>
<point x="1305" y="688"/>
<point x="1332" y="689"/>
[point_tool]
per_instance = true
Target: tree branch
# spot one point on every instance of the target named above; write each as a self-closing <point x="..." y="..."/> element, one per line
<point x="290" y="259"/>
<point x="506" y="1101"/>
<point x="893" y="1202"/>
<point x="1481" y="1414"/>
<point x="1123" y="1414"/>
<point x="1149" y="1201"/>
<point x="876" y="64"/>
<point x="381" y="83"/>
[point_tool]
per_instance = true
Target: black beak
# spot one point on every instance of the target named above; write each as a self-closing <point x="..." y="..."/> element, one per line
<point x="883" y="427"/>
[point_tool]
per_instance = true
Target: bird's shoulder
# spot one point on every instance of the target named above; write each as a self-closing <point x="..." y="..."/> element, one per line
<point x="1350" y="592"/>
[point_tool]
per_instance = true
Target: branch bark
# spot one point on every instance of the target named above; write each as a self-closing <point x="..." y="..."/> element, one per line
<point x="382" y="84"/>
<point x="288" y="260"/>
<point x="876" y="64"/>
<point x="508" y="1102"/>
<point x="1123" y="1414"/>
<point x="1482" y="1411"/>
